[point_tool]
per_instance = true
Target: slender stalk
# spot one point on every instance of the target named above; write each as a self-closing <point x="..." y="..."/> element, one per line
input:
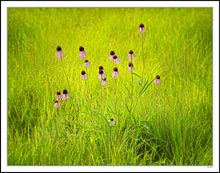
<point x="143" y="56"/>
<point x="102" y="105"/>
<point x="65" y="73"/>
<point x="86" y="89"/>
<point x="88" y="95"/>
<point x="115" y="90"/>
<point x="131" y="85"/>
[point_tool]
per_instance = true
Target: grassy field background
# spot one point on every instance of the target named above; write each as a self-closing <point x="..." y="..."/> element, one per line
<point x="170" y="123"/>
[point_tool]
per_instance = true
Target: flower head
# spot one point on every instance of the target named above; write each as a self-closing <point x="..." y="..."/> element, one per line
<point x="58" y="95"/>
<point x="59" y="53"/>
<point x="65" y="95"/>
<point x="87" y="63"/>
<point x="115" y="72"/>
<point x="157" y="80"/>
<point x="111" y="122"/>
<point x="84" y="75"/>
<point x="142" y="28"/>
<point x="101" y="68"/>
<point x="131" y="67"/>
<point x="116" y="59"/>
<point x="112" y="53"/>
<point x="82" y="52"/>
<point x="131" y="55"/>
<point x="56" y="104"/>
<point x="101" y="74"/>
<point x="103" y="81"/>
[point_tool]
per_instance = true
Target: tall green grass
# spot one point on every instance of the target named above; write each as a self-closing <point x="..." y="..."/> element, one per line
<point x="178" y="113"/>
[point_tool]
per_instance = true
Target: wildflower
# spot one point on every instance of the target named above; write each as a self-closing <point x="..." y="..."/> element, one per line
<point x="65" y="95"/>
<point x="59" y="53"/>
<point x="141" y="28"/>
<point x="116" y="59"/>
<point x="87" y="63"/>
<point x="111" y="122"/>
<point x="115" y="72"/>
<point x="131" y="67"/>
<point x="82" y="52"/>
<point x="103" y="81"/>
<point x="112" y="53"/>
<point x="101" y="74"/>
<point x="84" y="75"/>
<point x="131" y="55"/>
<point x="101" y="68"/>
<point x="157" y="80"/>
<point x="56" y="104"/>
<point x="58" y="95"/>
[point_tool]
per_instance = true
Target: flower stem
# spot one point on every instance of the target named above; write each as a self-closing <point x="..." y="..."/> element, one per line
<point x="143" y="56"/>
<point x="88" y="95"/>
<point x="131" y="86"/>
<point x="65" y="73"/>
<point x="86" y="89"/>
<point x="102" y="110"/>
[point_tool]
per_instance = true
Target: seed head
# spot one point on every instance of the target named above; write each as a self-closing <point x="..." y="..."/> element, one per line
<point x="100" y="68"/>
<point x="131" y="52"/>
<point x="141" y="25"/>
<point x="86" y="61"/>
<point x="115" y="57"/>
<point x="157" y="77"/>
<point x="65" y="91"/>
<point x="130" y="64"/>
<point x="59" y="48"/>
<point x="81" y="48"/>
<point x="104" y="79"/>
<point x="56" y="101"/>
<point x="112" y="119"/>
<point x="58" y="93"/>
<point x="101" y="71"/>
<point x="112" y="52"/>
<point x="83" y="72"/>
<point x="115" y="69"/>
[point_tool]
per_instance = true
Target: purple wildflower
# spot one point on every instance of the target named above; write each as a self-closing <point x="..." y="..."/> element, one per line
<point x="84" y="75"/>
<point x="56" y="104"/>
<point x="59" y="53"/>
<point x="111" y="121"/>
<point x="112" y="53"/>
<point x="116" y="59"/>
<point x="65" y="95"/>
<point x="82" y="52"/>
<point x="58" y="95"/>
<point x="142" y="28"/>
<point x="101" y="74"/>
<point x="87" y="63"/>
<point x="103" y="81"/>
<point x="115" y="72"/>
<point x="131" y="67"/>
<point x="131" y="55"/>
<point x="157" y="80"/>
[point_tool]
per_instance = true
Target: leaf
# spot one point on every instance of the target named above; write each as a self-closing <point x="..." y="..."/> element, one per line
<point x="143" y="88"/>
<point x="126" y="88"/>
<point x="147" y="87"/>
<point x="127" y="108"/>
<point x="136" y="75"/>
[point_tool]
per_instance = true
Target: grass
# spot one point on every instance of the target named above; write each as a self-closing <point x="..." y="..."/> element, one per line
<point x="178" y="112"/>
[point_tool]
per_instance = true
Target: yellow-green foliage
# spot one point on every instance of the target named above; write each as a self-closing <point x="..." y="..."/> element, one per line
<point x="178" y="112"/>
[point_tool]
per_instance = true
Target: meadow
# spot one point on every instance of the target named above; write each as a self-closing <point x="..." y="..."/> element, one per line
<point x="154" y="124"/>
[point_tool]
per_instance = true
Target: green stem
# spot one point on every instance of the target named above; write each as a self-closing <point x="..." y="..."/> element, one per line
<point x="143" y="56"/>
<point x="65" y="74"/>
<point x="131" y="85"/>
